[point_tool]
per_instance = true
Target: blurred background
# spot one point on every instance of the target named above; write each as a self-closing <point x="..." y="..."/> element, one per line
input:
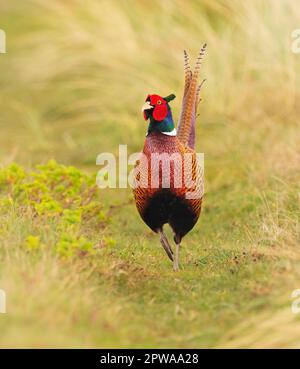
<point x="72" y="84"/>
<point x="76" y="73"/>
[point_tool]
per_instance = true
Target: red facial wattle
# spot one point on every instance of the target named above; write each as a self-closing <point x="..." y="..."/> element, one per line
<point x="160" y="110"/>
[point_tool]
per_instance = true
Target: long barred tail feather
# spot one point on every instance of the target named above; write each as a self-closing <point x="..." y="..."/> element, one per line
<point x="187" y="72"/>
<point x="198" y="99"/>
<point x="186" y="125"/>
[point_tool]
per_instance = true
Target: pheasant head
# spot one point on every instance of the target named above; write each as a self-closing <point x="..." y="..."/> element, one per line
<point x="157" y="110"/>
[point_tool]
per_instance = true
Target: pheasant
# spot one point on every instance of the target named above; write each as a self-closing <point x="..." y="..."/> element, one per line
<point x="168" y="180"/>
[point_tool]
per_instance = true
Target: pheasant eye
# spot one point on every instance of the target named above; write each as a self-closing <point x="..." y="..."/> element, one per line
<point x="159" y="102"/>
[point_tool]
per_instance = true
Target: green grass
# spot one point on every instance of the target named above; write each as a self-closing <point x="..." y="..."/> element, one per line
<point x="71" y="87"/>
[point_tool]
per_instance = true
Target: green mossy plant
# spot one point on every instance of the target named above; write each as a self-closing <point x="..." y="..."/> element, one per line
<point x="58" y="195"/>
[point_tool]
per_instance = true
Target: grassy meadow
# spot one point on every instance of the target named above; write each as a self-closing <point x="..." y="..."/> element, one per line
<point x="79" y="267"/>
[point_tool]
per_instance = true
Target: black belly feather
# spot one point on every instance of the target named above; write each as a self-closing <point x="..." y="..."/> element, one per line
<point x="166" y="207"/>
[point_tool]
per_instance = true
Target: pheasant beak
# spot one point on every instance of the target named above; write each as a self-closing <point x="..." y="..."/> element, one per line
<point x="146" y="106"/>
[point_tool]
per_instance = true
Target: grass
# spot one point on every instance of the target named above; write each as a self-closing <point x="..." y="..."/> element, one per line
<point x="72" y="84"/>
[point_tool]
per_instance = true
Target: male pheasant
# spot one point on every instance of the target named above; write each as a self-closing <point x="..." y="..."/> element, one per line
<point x="168" y="180"/>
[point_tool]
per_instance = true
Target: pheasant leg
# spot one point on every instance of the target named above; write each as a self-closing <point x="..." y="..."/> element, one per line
<point x="176" y="259"/>
<point x="165" y="244"/>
